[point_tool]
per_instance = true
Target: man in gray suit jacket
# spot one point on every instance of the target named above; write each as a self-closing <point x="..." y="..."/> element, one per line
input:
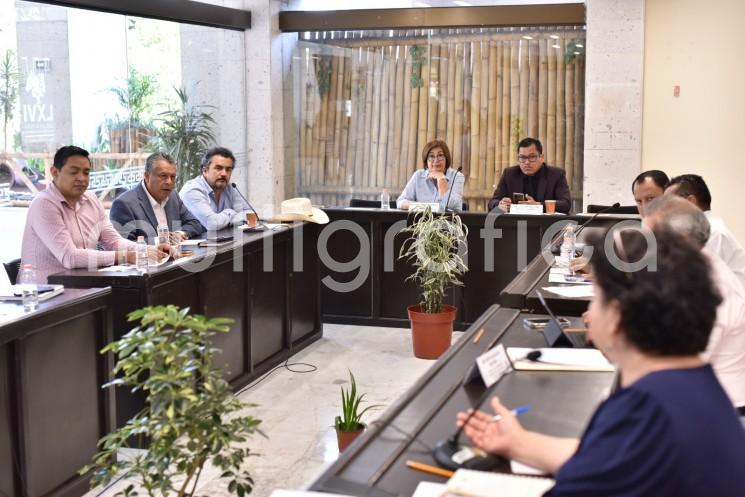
<point x="153" y="203"/>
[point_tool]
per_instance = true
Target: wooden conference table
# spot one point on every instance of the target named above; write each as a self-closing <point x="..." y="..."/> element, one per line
<point x="266" y="281"/>
<point x="368" y="241"/>
<point x="52" y="407"/>
<point x="561" y="404"/>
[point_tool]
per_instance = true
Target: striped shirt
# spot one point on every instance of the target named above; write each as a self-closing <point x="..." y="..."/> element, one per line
<point x="58" y="236"/>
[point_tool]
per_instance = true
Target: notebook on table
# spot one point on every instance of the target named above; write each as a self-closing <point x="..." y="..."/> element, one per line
<point x="472" y="483"/>
<point x="13" y="293"/>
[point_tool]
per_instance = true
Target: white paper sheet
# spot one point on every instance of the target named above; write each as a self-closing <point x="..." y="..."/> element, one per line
<point x="574" y="291"/>
<point x="470" y="483"/>
<point x="121" y="268"/>
<point x="430" y="489"/>
<point x="523" y="469"/>
<point x="192" y="243"/>
<point x="560" y="359"/>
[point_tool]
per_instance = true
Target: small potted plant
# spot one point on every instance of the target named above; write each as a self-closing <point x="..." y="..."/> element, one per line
<point x="349" y="425"/>
<point x="190" y="416"/>
<point x="433" y="249"/>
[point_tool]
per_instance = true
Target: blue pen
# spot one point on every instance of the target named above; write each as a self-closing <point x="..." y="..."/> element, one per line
<point x="516" y="411"/>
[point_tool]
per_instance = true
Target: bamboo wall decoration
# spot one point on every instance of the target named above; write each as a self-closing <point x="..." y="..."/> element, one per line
<point x="369" y="101"/>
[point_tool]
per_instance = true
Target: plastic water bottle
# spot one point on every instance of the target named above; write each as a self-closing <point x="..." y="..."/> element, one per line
<point x="29" y="291"/>
<point x="163" y="234"/>
<point x="385" y="200"/>
<point x="141" y="254"/>
<point x="568" y="246"/>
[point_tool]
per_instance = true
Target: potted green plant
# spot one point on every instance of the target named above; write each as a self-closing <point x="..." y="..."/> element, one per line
<point x="349" y="425"/>
<point x="133" y="131"/>
<point x="190" y="416"/>
<point x="432" y="248"/>
<point x="185" y="131"/>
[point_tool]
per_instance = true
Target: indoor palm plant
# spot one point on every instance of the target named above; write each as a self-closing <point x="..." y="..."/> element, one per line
<point x="432" y="247"/>
<point x="190" y="416"/>
<point x="349" y="425"/>
<point x="133" y="131"/>
<point x="185" y="131"/>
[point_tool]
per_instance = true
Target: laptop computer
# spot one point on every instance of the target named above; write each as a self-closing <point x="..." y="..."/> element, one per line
<point x="555" y="336"/>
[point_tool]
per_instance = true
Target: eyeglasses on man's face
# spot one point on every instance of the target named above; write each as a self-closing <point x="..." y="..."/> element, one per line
<point x="436" y="157"/>
<point x="528" y="158"/>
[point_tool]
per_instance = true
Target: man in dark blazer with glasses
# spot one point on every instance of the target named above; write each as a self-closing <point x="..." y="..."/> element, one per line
<point x="532" y="178"/>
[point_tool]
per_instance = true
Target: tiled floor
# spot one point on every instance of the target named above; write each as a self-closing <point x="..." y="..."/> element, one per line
<point x="298" y="409"/>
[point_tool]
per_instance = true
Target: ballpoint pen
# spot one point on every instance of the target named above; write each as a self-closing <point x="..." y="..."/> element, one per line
<point x="516" y="411"/>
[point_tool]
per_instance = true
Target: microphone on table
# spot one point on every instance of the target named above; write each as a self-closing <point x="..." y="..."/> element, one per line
<point x="258" y="218"/>
<point x="556" y="247"/>
<point x="601" y="211"/>
<point x="450" y="191"/>
<point x="445" y="450"/>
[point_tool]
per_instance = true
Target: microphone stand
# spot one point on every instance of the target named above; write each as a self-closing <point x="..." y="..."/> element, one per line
<point x="258" y="218"/>
<point x="450" y="190"/>
<point x="601" y="211"/>
<point x="445" y="449"/>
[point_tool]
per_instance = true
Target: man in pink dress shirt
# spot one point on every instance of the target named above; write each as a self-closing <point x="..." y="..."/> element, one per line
<point x="65" y="223"/>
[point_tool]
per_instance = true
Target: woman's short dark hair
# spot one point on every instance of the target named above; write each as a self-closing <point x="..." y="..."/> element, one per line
<point x="64" y="153"/>
<point x="434" y="144"/>
<point x="221" y="151"/>
<point x="668" y="309"/>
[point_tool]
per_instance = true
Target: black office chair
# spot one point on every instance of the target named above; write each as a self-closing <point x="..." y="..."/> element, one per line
<point x="361" y="202"/>
<point x="624" y="209"/>
<point x="12" y="269"/>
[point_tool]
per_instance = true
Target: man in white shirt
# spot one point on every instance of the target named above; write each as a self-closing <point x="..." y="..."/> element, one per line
<point x="726" y="348"/>
<point x="721" y="240"/>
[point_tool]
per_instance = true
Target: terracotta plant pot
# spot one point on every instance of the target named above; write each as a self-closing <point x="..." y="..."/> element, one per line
<point x="431" y="334"/>
<point x="344" y="438"/>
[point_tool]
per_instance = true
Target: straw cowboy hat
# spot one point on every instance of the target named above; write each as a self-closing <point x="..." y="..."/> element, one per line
<point x="300" y="209"/>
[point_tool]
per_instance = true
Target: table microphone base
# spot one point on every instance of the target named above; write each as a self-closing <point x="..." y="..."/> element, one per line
<point x="444" y="451"/>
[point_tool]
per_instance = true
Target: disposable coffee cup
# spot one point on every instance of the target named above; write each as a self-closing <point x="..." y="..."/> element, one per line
<point x="252" y="219"/>
<point x="550" y="206"/>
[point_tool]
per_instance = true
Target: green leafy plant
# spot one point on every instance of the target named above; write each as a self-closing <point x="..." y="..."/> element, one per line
<point x="418" y="55"/>
<point x="185" y="132"/>
<point x="190" y="416"/>
<point x="432" y="248"/>
<point x="10" y="81"/>
<point x="351" y="418"/>
<point x="135" y="97"/>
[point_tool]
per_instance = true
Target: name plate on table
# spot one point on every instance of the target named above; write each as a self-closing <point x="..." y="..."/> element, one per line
<point x="493" y="364"/>
<point x="530" y="209"/>
<point x="420" y="206"/>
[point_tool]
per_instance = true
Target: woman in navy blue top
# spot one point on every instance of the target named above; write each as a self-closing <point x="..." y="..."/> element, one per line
<point x="436" y="182"/>
<point x="670" y="430"/>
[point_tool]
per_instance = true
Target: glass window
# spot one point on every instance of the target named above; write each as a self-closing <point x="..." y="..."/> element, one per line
<point x="118" y="86"/>
<point x="366" y="103"/>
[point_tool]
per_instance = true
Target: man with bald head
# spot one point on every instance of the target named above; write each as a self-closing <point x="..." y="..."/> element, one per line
<point x="726" y="348"/>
